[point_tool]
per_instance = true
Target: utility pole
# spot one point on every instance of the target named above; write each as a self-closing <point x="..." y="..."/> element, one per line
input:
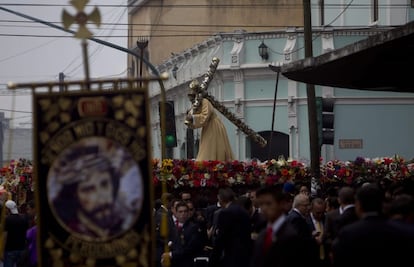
<point x="310" y="91"/>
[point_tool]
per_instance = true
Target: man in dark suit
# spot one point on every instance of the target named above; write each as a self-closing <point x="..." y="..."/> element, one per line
<point x="297" y="217"/>
<point x="330" y="231"/>
<point x="372" y="240"/>
<point x="165" y="215"/>
<point x="279" y="244"/>
<point x="257" y="220"/>
<point x="346" y="199"/>
<point x="231" y="245"/>
<point x="164" y="205"/>
<point x="316" y="221"/>
<point x="211" y="214"/>
<point x="188" y="243"/>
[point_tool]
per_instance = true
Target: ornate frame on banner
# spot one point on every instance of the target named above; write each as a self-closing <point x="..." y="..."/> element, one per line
<point x="93" y="169"/>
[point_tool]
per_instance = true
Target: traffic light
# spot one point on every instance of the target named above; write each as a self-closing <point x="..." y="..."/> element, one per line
<point x="170" y="130"/>
<point x="325" y="118"/>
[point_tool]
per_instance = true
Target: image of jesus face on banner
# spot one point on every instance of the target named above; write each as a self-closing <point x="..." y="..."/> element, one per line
<point x="96" y="195"/>
<point x="95" y="189"/>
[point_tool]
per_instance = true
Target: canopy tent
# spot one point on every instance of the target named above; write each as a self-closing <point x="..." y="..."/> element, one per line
<point x="379" y="63"/>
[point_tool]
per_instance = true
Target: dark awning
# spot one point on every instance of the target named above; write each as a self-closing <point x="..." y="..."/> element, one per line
<point x="381" y="62"/>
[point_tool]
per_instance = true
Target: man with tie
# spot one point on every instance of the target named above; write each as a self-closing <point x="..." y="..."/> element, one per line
<point x="279" y="243"/>
<point x="316" y="221"/>
<point x="188" y="243"/>
<point x="171" y="222"/>
<point x="297" y="217"/>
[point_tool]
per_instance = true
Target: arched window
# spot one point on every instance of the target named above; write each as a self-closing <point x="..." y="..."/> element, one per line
<point x="277" y="145"/>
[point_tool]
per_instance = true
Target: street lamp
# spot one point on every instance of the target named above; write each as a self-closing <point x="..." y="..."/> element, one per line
<point x="142" y="43"/>
<point x="263" y="51"/>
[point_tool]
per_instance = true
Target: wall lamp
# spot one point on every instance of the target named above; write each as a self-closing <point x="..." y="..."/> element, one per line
<point x="263" y="51"/>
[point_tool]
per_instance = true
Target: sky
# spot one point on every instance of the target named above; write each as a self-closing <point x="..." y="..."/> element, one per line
<point x="34" y="52"/>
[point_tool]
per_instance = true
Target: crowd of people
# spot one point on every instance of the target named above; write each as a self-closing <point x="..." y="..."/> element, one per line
<point x="285" y="225"/>
<point x="370" y="224"/>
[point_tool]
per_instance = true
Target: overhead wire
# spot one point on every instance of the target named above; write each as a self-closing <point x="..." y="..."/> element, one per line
<point x="27" y="51"/>
<point x="255" y="5"/>
<point x="153" y="24"/>
<point x="99" y="48"/>
<point x="105" y="36"/>
<point x="114" y="75"/>
<point x="101" y="28"/>
<point x="346" y="6"/>
<point x="318" y="34"/>
<point x="156" y="20"/>
<point x="297" y="6"/>
<point x="13" y="110"/>
<point x="206" y="33"/>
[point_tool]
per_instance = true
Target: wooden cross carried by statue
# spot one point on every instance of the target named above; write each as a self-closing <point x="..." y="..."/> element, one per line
<point x="199" y="91"/>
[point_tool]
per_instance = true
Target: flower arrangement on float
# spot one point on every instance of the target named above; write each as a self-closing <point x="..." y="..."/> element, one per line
<point x="191" y="173"/>
<point x="16" y="178"/>
<point x="366" y="169"/>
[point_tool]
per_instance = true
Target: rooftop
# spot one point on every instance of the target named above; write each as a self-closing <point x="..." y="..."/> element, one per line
<point x="380" y="63"/>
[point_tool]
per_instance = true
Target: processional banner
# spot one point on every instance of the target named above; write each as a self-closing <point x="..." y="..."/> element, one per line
<point x="92" y="167"/>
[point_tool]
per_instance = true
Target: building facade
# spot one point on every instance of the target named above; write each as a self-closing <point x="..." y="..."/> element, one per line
<point x="176" y="25"/>
<point x="368" y="124"/>
<point x="17" y="143"/>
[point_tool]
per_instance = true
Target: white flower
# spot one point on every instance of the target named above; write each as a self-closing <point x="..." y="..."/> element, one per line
<point x="239" y="178"/>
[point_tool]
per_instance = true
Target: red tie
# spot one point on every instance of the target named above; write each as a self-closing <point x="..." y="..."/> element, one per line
<point x="177" y="224"/>
<point x="268" y="238"/>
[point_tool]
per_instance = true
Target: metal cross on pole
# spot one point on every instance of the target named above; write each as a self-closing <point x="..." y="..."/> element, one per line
<point x="81" y="18"/>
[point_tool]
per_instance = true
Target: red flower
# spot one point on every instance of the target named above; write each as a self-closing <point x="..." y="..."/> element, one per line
<point x="387" y="161"/>
<point x="284" y="172"/>
<point x="196" y="182"/>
